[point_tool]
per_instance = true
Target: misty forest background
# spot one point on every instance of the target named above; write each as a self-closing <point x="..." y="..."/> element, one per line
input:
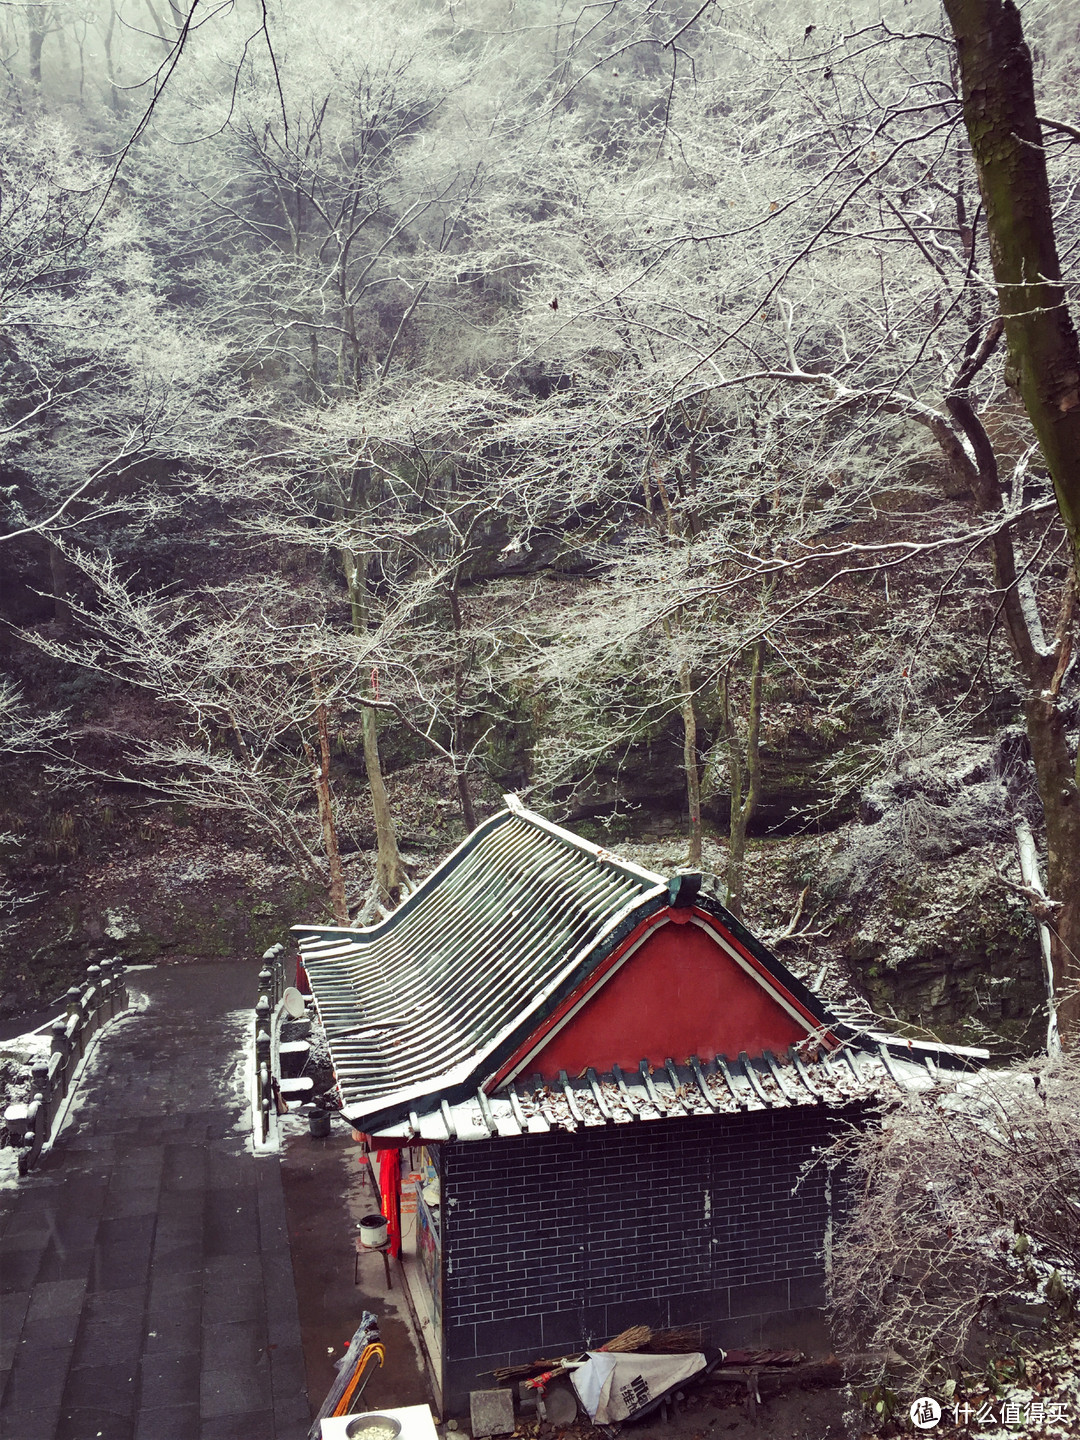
<point x="406" y="403"/>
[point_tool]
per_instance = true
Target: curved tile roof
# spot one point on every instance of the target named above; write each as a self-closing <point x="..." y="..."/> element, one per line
<point x="421" y="999"/>
<point x="421" y="1009"/>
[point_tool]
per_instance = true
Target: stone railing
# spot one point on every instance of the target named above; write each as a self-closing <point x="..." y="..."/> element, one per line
<point x="89" y="1007"/>
<point x="272" y="984"/>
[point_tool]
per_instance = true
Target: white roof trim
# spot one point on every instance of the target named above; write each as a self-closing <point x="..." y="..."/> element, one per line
<point x="597" y="852"/>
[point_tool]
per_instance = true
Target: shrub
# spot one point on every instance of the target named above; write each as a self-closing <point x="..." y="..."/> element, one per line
<point x="963" y="1217"/>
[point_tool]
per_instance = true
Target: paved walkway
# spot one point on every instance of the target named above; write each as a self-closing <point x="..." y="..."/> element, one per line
<point x="146" y="1279"/>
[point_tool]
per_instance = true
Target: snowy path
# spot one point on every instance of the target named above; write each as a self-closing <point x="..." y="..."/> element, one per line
<point x="146" y="1283"/>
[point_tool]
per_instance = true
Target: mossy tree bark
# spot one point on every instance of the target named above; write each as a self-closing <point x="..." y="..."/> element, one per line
<point x="1044" y="357"/>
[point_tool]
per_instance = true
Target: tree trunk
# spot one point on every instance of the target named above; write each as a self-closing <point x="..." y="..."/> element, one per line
<point x="1029" y="873"/>
<point x="110" y="68"/>
<point x="60" y="575"/>
<point x="690" y="765"/>
<point x="36" y="21"/>
<point x="1044" y="356"/>
<point x="1006" y="140"/>
<point x="1054" y="771"/>
<point x="744" y="765"/>
<point x="320" y="766"/>
<point x="389" y="868"/>
<point x="468" y="812"/>
<point x="158" y="26"/>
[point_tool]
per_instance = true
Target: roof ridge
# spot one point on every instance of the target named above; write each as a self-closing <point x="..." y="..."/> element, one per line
<point x="414" y="897"/>
<point x="577" y="842"/>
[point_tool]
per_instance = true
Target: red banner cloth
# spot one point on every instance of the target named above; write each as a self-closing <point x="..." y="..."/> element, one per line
<point x="390" y="1190"/>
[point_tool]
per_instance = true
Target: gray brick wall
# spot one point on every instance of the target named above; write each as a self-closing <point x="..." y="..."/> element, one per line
<point x="558" y="1241"/>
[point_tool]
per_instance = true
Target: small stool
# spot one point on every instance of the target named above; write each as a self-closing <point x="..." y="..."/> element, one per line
<point x="362" y="1249"/>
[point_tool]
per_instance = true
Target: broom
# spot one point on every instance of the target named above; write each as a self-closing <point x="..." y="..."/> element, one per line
<point x="534" y="1367"/>
<point x="632" y="1339"/>
<point x="625" y="1341"/>
<point x="683" y="1340"/>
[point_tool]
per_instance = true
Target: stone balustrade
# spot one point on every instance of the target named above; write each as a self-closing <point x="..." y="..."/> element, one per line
<point x="89" y="1006"/>
<point x="272" y="985"/>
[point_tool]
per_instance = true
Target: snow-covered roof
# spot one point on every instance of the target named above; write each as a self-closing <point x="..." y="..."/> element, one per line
<point x="470" y="958"/>
<point x="421" y="1010"/>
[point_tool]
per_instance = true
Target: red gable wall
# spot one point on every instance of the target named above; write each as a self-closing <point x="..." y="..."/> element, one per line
<point x="678" y="995"/>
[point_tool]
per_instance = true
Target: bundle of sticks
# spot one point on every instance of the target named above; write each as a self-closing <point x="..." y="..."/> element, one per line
<point x="638" y="1337"/>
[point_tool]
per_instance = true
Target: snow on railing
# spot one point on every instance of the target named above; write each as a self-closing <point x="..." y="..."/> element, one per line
<point x="272" y="983"/>
<point x="89" y="1007"/>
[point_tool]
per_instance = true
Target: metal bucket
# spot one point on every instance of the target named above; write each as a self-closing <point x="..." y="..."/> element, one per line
<point x="373" y="1230"/>
<point x="319" y="1124"/>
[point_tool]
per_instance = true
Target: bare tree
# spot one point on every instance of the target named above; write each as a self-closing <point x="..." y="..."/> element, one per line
<point x="834" y="269"/>
<point x="100" y="380"/>
<point x="247" y="687"/>
<point x="1008" y="141"/>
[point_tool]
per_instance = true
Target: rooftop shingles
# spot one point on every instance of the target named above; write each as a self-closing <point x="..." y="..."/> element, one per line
<point x="536" y="1106"/>
<point x="416" y="1002"/>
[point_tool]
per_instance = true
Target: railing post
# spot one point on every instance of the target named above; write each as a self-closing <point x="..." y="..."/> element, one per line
<point x="108" y="987"/>
<point x="31" y="1142"/>
<point x="271" y="988"/>
<point x="73" y="1001"/>
<point x="262" y="1066"/>
<point x="93" y="999"/>
<point x="60" y="1045"/>
<point x="43" y="1091"/>
<point x="272" y="961"/>
<point x="120" y="984"/>
<point x="61" y="1048"/>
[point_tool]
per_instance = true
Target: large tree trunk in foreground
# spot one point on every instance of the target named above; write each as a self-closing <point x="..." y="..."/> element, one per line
<point x="1006" y="140"/>
<point x="1007" y="143"/>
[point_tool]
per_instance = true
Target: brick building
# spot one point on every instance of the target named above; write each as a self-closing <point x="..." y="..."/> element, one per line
<point x="607" y="1094"/>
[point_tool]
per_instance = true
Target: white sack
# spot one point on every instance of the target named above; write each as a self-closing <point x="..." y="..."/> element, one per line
<point x="613" y="1386"/>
